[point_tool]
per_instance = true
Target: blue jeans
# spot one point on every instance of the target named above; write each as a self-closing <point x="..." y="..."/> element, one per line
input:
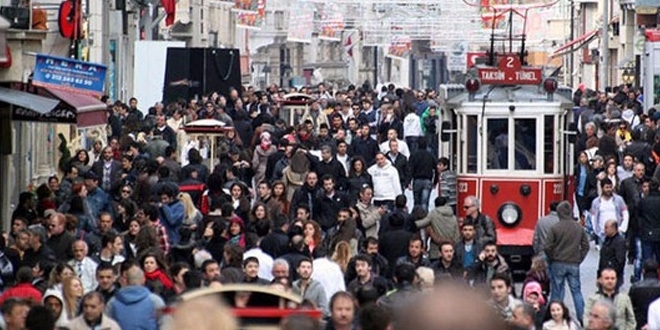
<point x="561" y="272"/>
<point x="422" y="191"/>
<point x="650" y="250"/>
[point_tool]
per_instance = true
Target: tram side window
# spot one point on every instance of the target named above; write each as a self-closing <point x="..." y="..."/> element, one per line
<point x="525" y="152"/>
<point x="498" y="144"/>
<point x="549" y="145"/>
<point x="472" y="144"/>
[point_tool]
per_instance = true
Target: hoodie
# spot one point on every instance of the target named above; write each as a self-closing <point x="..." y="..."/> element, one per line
<point x="135" y="307"/>
<point x="61" y="321"/>
<point x="386" y="182"/>
<point x="444" y="225"/>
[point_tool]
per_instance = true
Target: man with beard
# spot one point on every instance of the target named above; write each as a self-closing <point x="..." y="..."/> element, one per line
<point x="342" y="308"/>
<point x="415" y="254"/>
<point x="613" y="251"/>
<point x="107" y="169"/>
<point x="607" y="290"/>
<point x="366" y="278"/>
<point x="447" y="267"/>
<point x="308" y="288"/>
<point x="608" y="206"/>
<point x="488" y="263"/>
<point x="330" y="201"/>
<point x="467" y="249"/>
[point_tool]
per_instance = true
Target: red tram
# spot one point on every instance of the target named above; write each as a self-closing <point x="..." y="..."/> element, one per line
<point x="509" y="144"/>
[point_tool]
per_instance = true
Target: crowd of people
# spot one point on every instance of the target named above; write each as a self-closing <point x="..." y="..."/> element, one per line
<point x="318" y="208"/>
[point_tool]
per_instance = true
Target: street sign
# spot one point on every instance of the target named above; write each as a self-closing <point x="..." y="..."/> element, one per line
<point x="510" y="72"/>
<point x="69" y="74"/>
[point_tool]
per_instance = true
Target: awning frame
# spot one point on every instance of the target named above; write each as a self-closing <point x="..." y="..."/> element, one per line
<point x="36" y="103"/>
<point x="575" y="44"/>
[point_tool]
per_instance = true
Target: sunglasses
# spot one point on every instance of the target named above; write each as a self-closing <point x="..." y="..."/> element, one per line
<point x="467" y="207"/>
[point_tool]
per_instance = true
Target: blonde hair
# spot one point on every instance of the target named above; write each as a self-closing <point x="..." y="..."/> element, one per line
<point x="71" y="302"/>
<point x="342" y="255"/>
<point x="189" y="208"/>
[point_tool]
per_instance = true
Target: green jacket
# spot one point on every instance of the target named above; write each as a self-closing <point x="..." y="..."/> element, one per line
<point x="625" y="316"/>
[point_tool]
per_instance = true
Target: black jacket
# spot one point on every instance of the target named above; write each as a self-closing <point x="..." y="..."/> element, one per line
<point x="401" y="164"/>
<point x="335" y="169"/>
<point x="305" y="195"/>
<point x="613" y="254"/>
<point x="275" y="243"/>
<point x="648" y="217"/>
<point x="392" y="245"/>
<point x="642" y="294"/>
<point x="421" y="165"/>
<point x="367" y="148"/>
<point x="328" y="207"/>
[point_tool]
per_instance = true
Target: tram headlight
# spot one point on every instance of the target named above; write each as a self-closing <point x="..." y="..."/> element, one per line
<point x="509" y="214"/>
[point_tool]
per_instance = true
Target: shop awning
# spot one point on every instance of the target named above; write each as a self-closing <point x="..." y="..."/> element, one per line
<point x="89" y="110"/>
<point x="575" y="44"/>
<point x="28" y="101"/>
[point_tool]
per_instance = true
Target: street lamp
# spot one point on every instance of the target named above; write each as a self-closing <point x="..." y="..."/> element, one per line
<point x="628" y="76"/>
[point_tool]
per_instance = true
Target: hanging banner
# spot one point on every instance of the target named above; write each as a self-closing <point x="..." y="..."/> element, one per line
<point x="489" y="16"/>
<point x="250" y="14"/>
<point x="401" y="46"/>
<point x="69" y="74"/>
<point x="301" y="25"/>
<point x="330" y="24"/>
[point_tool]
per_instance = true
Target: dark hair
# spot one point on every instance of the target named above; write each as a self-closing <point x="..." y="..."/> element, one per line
<point x="304" y="259"/>
<point x="370" y="241"/>
<point x="604" y="182"/>
<point x="299" y="322"/>
<point x="405" y="273"/>
<point x="249" y="260"/>
<point x="105" y="266"/>
<point x="192" y="279"/>
<point x="650" y="267"/>
<point x="363" y="257"/>
<point x="24" y="275"/>
<point x="108" y="237"/>
<point x="400" y="201"/>
<point x="176" y="268"/>
<point x="208" y="262"/>
<point x="9" y="305"/>
<point x="38" y="318"/>
<point x="501" y="277"/>
<point x="374" y="317"/>
<point x="440" y="201"/>
<point x="566" y="312"/>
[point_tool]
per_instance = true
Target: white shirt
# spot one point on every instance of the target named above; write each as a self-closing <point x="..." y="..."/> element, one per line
<point x="607" y="211"/>
<point x="265" y="262"/>
<point x="386" y="182"/>
<point x="86" y="271"/>
<point x="653" y="316"/>
<point x="403" y="147"/>
<point x="329" y="274"/>
<point x="412" y="125"/>
<point x="344" y="161"/>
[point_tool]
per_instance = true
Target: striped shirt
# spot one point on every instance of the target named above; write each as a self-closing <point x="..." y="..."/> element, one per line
<point x="447" y="186"/>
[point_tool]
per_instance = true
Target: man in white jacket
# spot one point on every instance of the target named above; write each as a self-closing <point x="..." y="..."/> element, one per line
<point x="386" y="182"/>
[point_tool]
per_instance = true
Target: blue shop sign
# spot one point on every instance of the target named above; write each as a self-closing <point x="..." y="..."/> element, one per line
<point x="69" y="74"/>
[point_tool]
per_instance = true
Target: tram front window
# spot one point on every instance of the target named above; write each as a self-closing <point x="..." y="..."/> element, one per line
<point x="498" y="144"/>
<point x="472" y="144"/>
<point x="525" y="140"/>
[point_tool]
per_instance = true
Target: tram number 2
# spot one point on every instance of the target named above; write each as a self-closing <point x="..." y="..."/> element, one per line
<point x="462" y="187"/>
<point x="557" y="188"/>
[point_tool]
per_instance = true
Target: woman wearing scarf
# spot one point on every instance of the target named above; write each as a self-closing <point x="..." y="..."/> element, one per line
<point x="155" y="273"/>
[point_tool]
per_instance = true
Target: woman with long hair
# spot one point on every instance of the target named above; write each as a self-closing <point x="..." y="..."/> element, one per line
<point x="82" y="161"/>
<point x="259" y="213"/>
<point x="239" y="200"/>
<point x="312" y="234"/>
<point x="125" y="211"/>
<point x="130" y="237"/>
<point x="357" y="178"/>
<point x="72" y="292"/>
<point x="609" y="173"/>
<point x="279" y="194"/>
<point x="236" y="232"/>
<point x="585" y="184"/>
<point x="58" y="274"/>
<point x="45" y="199"/>
<point x="558" y="317"/>
<point x="342" y="255"/>
<point x="214" y="237"/>
<point x="146" y="241"/>
<point x="155" y="273"/>
<point x="192" y="217"/>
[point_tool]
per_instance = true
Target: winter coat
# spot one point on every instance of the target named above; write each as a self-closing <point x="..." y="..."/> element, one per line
<point x="134" y="307"/>
<point x="370" y="219"/>
<point x="444" y="224"/>
<point x="260" y="161"/>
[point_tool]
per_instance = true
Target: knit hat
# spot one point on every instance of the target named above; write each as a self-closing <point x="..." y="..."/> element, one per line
<point x="534" y="287"/>
<point x="564" y="211"/>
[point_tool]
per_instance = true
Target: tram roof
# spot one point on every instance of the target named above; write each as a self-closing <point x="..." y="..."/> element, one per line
<point x="510" y="94"/>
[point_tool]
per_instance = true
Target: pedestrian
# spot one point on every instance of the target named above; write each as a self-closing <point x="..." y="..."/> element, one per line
<point x="566" y="247"/>
<point x="607" y="290"/>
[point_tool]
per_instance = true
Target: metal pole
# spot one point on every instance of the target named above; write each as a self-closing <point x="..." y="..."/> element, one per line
<point x="572" y="57"/>
<point x="375" y="67"/>
<point x="604" y="46"/>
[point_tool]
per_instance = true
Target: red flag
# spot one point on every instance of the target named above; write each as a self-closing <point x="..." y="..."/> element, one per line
<point x="170" y="9"/>
<point x="348" y="46"/>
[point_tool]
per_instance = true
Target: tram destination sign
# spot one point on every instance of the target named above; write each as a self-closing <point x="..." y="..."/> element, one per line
<point x="510" y="72"/>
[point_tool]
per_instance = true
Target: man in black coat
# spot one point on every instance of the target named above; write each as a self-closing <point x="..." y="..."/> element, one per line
<point x="365" y="146"/>
<point x="165" y="131"/>
<point x="649" y="222"/>
<point x="644" y="292"/>
<point x="330" y="201"/>
<point x="276" y="242"/>
<point x="329" y="165"/>
<point x="306" y="195"/>
<point x="109" y="166"/>
<point x="613" y="251"/>
<point x="394" y="243"/>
